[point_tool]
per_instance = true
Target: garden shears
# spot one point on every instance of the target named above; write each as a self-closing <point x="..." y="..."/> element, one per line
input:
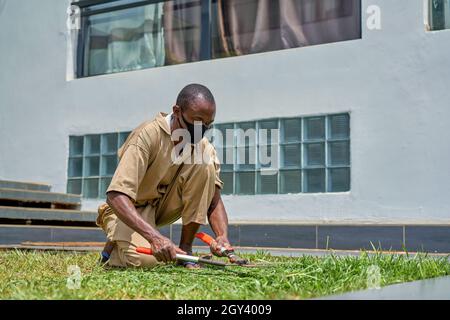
<point x="210" y="241"/>
<point x="185" y="257"/>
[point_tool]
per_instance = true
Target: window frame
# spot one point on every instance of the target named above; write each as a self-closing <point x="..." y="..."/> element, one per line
<point x="429" y="18"/>
<point x="206" y="32"/>
<point x="205" y="52"/>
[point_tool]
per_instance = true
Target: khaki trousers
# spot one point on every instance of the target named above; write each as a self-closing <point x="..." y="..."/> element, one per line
<point x="188" y="196"/>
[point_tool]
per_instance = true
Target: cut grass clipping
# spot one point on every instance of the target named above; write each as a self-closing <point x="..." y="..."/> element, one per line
<point x="62" y="275"/>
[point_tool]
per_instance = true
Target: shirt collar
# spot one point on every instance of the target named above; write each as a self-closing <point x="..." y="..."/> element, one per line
<point x="161" y="120"/>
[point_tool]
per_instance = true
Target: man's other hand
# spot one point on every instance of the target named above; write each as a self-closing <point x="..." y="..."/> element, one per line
<point x="220" y="246"/>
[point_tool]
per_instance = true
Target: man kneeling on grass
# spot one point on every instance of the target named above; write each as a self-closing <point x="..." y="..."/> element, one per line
<point x="157" y="181"/>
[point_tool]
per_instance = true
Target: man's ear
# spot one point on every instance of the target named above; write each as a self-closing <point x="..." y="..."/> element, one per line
<point x="176" y="109"/>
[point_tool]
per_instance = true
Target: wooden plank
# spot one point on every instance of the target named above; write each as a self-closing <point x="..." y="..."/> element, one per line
<point x="22" y="213"/>
<point x="35" y="196"/>
<point x="17" y="234"/>
<point x="24" y="185"/>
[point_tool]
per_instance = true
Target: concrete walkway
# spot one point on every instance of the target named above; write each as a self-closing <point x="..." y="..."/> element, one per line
<point x="431" y="289"/>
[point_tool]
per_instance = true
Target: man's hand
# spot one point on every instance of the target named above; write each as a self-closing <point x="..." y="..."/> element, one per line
<point x="220" y="246"/>
<point x="164" y="250"/>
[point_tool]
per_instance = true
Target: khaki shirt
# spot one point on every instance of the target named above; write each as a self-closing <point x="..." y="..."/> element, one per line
<point x="146" y="167"/>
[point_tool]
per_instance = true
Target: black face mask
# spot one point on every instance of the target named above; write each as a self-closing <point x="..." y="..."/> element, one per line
<point x="191" y="130"/>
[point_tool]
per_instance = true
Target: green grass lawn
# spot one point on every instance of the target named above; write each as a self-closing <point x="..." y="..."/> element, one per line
<point x="43" y="275"/>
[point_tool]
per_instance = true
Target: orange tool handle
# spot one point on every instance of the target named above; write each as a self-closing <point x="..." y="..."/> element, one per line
<point x="144" y="250"/>
<point x="206" y="238"/>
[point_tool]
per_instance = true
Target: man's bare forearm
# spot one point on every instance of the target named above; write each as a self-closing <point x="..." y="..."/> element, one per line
<point x="127" y="213"/>
<point x="217" y="216"/>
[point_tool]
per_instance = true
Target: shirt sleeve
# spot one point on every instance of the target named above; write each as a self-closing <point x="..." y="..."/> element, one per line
<point x="130" y="171"/>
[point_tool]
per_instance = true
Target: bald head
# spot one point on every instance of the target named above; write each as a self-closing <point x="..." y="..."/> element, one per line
<point x="194" y="95"/>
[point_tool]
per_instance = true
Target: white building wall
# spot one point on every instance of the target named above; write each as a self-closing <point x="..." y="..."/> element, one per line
<point x="394" y="82"/>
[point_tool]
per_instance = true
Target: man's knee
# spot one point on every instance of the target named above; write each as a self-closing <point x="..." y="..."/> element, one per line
<point x="125" y="255"/>
<point x="137" y="260"/>
<point x="205" y="174"/>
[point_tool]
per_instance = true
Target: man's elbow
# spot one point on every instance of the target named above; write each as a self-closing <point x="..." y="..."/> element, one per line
<point x="109" y="199"/>
<point x="112" y="196"/>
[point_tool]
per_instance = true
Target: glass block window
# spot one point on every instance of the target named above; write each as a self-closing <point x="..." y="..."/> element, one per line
<point x="92" y="163"/>
<point x="285" y="155"/>
<point x="269" y="156"/>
